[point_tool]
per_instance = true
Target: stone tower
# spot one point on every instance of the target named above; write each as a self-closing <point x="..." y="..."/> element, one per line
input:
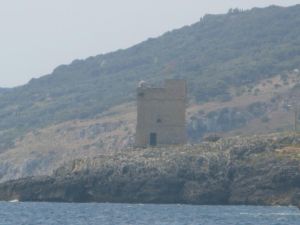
<point x="161" y="114"/>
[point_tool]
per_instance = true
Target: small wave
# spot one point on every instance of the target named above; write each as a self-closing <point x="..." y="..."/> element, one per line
<point x="271" y="214"/>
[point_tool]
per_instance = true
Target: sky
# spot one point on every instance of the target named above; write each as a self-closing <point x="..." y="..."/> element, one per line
<point x="37" y="36"/>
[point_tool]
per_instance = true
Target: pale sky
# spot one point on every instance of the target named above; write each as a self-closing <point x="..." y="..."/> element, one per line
<point x="38" y="35"/>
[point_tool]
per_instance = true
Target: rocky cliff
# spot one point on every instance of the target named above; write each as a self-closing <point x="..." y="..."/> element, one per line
<point x="262" y="170"/>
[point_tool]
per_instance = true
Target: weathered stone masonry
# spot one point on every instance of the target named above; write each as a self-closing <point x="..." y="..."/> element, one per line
<point x="161" y="114"/>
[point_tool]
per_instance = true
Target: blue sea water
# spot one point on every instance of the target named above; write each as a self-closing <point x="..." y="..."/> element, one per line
<point x="139" y="214"/>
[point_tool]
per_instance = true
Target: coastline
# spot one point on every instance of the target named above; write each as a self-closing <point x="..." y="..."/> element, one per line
<point x="257" y="170"/>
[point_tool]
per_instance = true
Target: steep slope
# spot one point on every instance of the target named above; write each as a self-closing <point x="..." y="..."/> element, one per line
<point x="42" y="151"/>
<point x="214" y="54"/>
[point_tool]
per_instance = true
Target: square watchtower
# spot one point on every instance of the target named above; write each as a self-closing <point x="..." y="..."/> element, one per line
<point x="161" y="114"/>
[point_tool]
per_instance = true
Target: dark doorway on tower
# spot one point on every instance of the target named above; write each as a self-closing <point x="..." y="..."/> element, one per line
<point x="153" y="139"/>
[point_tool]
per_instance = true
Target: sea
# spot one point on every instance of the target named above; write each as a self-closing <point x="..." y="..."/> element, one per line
<point x="140" y="214"/>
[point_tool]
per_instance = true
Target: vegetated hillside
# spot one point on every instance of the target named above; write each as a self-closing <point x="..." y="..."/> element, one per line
<point x="214" y="54"/>
<point x="259" y="109"/>
<point x="257" y="170"/>
<point x="2" y="90"/>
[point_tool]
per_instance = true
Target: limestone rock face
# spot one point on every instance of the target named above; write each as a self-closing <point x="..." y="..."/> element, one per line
<point x="254" y="170"/>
